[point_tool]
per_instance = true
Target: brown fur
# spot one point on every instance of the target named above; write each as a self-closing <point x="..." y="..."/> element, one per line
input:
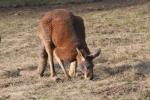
<point x="62" y="32"/>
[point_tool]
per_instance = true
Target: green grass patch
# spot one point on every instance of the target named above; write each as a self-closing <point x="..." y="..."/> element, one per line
<point x="15" y="3"/>
<point x="8" y="3"/>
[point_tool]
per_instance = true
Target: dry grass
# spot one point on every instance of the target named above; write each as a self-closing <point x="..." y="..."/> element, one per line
<point x="121" y="72"/>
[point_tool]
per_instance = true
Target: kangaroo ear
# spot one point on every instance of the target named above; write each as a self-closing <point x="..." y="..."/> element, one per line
<point x="80" y="54"/>
<point x="95" y="54"/>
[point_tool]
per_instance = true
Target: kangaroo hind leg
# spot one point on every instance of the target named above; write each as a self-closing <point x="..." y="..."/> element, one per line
<point x="45" y="36"/>
<point x="42" y="61"/>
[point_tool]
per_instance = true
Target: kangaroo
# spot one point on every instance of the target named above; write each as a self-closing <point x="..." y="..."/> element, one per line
<point x="62" y="36"/>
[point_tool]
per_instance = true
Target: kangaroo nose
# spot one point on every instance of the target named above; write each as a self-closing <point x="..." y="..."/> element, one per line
<point x="88" y="76"/>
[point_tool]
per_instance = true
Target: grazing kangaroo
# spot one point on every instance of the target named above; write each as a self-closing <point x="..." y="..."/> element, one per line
<point x="62" y="35"/>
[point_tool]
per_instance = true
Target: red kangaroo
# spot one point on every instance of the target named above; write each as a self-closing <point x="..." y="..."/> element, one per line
<point x="62" y="35"/>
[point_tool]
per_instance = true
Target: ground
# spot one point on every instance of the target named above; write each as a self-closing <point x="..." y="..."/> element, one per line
<point x="120" y="28"/>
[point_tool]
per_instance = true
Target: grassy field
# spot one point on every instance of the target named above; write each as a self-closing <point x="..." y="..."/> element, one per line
<point x="122" y="72"/>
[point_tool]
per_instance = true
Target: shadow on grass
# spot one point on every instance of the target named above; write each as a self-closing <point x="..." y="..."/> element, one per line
<point x="135" y="69"/>
<point x="33" y="69"/>
<point x="139" y="68"/>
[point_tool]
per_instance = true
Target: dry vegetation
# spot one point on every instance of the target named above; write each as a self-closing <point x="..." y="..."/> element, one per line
<point x="121" y="29"/>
